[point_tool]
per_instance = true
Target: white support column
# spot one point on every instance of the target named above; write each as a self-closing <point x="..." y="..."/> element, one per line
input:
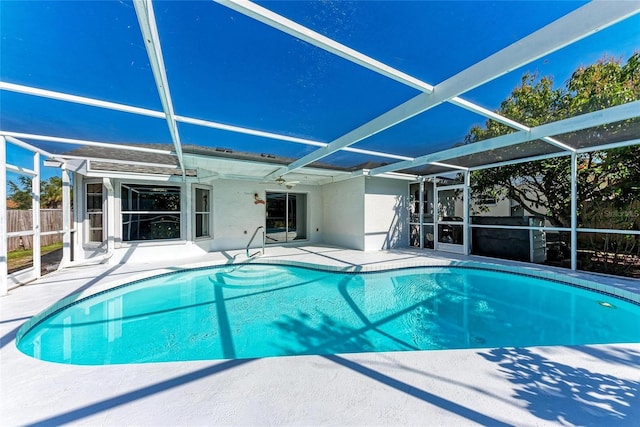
<point x="187" y="215"/>
<point x="466" y="195"/>
<point x="35" y="203"/>
<point x="4" y="286"/>
<point x="78" y="217"/>
<point x="111" y="214"/>
<point x="574" y="211"/>
<point x="435" y="213"/>
<point x="421" y="212"/>
<point x="66" y="218"/>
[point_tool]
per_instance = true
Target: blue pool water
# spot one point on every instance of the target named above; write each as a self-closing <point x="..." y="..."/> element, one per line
<point x="248" y="311"/>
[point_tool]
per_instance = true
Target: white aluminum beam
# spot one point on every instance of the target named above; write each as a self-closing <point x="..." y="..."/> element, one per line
<point x="420" y="213"/>
<point x="280" y="137"/>
<point x="376" y="153"/>
<point x="395" y="175"/>
<point x="518" y="161"/>
<point x="607" y="230"/>
<point x="574" y="211"/>
<point x="596" y="118"/>
<point x="66" y="217"/>
<point x="182" y="119"/>
<point x="36" y="226"/>
<point x="303" y="33"/>
<point x="18" y="169"/>
<point x="129" y="175"/>
<point x="611" y="146"/>
<point x="118" y="162"/>
<point x="380" y="123"/>
<point x="147" y="22"/>
<point x="60" y="96"/>
<point x="49" y="94"/>
<point x="72" y="141"/>
<point x="342" y="177"/>
<point x="111" y="217"/>
<point x="572" y="27"/>
<point x="559" y="154"/>
<point x="292" y="28"/>
<point x="4" y="282"/>
<point x="576" y="25"/>
<point x="504" y="120"/>
<point x="25" y="145"/>
<point x="450" y="166"/>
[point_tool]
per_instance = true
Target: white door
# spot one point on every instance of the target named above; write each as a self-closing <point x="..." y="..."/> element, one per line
<point x="451" y="226"/>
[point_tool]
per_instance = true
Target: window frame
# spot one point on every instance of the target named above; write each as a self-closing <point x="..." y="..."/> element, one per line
<point x="121" y="212"/>
<point x="208" y="212"/>
<point x="87" y="217"/>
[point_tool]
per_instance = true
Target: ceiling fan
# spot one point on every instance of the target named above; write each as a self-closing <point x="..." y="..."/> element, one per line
<point x="289" y="184"/>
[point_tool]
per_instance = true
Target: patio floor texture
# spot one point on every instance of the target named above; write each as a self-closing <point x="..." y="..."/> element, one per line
<point x="581" y="385"/>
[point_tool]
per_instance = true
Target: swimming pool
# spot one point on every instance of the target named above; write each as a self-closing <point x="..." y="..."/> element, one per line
<point x="258" y="310"/>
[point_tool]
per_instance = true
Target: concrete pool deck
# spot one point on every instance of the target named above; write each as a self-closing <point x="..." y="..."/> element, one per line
<point x="567" y="385"/>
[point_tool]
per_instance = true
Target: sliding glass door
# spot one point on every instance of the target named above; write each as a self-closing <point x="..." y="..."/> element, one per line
<point x="286" y="217"/>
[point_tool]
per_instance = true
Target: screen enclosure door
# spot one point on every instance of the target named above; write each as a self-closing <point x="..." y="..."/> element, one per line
<point x="451" y="230"/>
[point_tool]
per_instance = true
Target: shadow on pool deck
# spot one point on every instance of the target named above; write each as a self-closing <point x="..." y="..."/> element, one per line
<point x="418" y="393"/>
<point x="141" y="393"/>
<point x="565" y="394"/>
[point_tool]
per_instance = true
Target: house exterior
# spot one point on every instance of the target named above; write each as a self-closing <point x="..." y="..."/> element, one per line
<point x="130" y="212"/>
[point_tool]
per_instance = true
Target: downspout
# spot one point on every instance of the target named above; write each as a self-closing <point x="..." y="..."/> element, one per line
<point x="66" y="217"/>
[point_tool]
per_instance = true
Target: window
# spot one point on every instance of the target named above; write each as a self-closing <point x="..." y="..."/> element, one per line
<point x="286" y="217"/>
<point x="202" y="200"/>
<point x="150" y="212"/>
<point x="94" y="205"/>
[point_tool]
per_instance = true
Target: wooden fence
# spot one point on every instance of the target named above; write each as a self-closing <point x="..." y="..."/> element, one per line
<point x="21" y="220"/>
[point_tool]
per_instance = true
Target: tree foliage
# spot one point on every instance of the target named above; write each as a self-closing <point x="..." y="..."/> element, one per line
<point x="544" y="187"/>
<point x="20" y="192"/>
<point x="50" y="192"/>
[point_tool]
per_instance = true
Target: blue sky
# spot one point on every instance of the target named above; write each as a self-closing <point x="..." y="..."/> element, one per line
<point x="223" y="66"/>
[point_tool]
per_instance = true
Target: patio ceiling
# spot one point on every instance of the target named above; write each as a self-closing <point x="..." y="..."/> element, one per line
<point x="341" y="86"/>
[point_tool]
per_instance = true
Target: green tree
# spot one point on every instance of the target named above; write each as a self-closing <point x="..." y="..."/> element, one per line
<point x="20" y="192"/>
<point x="544" y="187"/>
<point x="50" y="192"/>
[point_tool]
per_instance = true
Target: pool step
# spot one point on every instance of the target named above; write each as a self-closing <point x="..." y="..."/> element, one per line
<point x="251" y="276"/>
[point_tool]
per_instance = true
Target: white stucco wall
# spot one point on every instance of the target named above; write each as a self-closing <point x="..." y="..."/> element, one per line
<point x="343" y="213"/>
<point x="386" y="214"/>
<point x="235" y="217"/>
<point x="359" y="213"/>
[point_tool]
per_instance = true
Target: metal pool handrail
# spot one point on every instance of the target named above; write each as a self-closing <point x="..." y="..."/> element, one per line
<point x="251" y="241"/>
